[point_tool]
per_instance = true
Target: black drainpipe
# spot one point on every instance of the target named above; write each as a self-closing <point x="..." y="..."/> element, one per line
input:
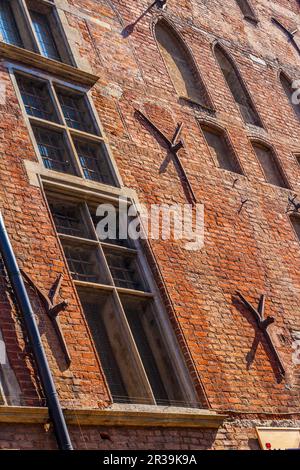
<point x="54" y="407"/>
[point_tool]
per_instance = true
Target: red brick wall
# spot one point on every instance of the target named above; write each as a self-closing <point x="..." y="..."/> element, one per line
<point x="254" y="251"/>
<point x="236" y="434"/>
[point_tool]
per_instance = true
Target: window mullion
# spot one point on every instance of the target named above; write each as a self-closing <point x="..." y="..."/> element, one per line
<point x="56" y="103"/>
<point x="90" y="221"/>
<point x="105" y="264"/>
<point x="74" y="153"/>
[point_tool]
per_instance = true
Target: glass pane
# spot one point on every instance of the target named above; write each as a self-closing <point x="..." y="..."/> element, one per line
<point x="152" y="349"/>
<point x="68" y="219"/>
<point x="111" y="234"/>
<point x="100" y="318"/>
<point x="94" y="162"/>
<point x="53" y="150"/>
<point x="36" y="98"/>
<point x="8" y="26"/>
<point x="75" y="110"/>
<point x="83" y="263"/>
<point x="124" y="270"/>
<point x="44" y="34"/>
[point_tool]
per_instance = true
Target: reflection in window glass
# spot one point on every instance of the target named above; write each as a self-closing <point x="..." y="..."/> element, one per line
<point x="53" y="150"/>
<point x="93" y="161"/>
<point x="75" y="111"/>
<point x="36" y="98"/>
<point x="44" y="34"/>
<point x="83" y="263"/>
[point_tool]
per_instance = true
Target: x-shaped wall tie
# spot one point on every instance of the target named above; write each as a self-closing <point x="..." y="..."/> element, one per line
<point x="52" y="308"/>
<point x="174" y="146"/>
<point x="263" y="324"/>
<point x="293" y="205"/>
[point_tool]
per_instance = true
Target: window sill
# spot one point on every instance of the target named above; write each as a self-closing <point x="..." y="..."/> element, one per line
<point x="64" y="182"/>
<point x="251" y="19"/>
<point x="54" y="67"/>
<point x="196" y="104"/>
<point x="118" y="415"/>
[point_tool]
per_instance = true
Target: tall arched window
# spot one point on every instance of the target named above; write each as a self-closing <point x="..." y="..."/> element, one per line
<point x="289" y="91"/>
<point x="181" y="65"/>
<point x="220" y="148"/>
<point x="270" y="164"/>
<point x="237" y="88"/>
<point x="247" y="10"/>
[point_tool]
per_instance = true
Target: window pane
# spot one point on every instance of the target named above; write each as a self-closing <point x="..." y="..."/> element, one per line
<point x="75" y="111"/>
<point x="108" y="341"/>
<point x="44" y="34"/>
<point x="269" y="165"/>
<point x="152" y="349"/>
<point x="68" y="219"/>
<point x="124" y="270"/>
<point x="83" y="263"/>
<point x="93" y="161"/>
<point x="53" y="150"/>
<point x="36" y="98"/>
<point x="8" y="26"/>
<point x="220" y="148"/>
<point x="111" y="234"/>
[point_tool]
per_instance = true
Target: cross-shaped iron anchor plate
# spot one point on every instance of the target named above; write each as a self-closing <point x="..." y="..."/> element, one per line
<point x="263" y="324"/>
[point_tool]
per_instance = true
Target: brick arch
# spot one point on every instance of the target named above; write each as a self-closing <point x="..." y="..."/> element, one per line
<point x="247" y="10"/>
<point x="237" y="86"/>
<point x="269" y="162"/>
<point x="180" y="64"/>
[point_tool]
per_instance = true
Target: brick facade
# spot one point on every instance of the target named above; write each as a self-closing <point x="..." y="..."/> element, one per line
<point x="250" y="247"/>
